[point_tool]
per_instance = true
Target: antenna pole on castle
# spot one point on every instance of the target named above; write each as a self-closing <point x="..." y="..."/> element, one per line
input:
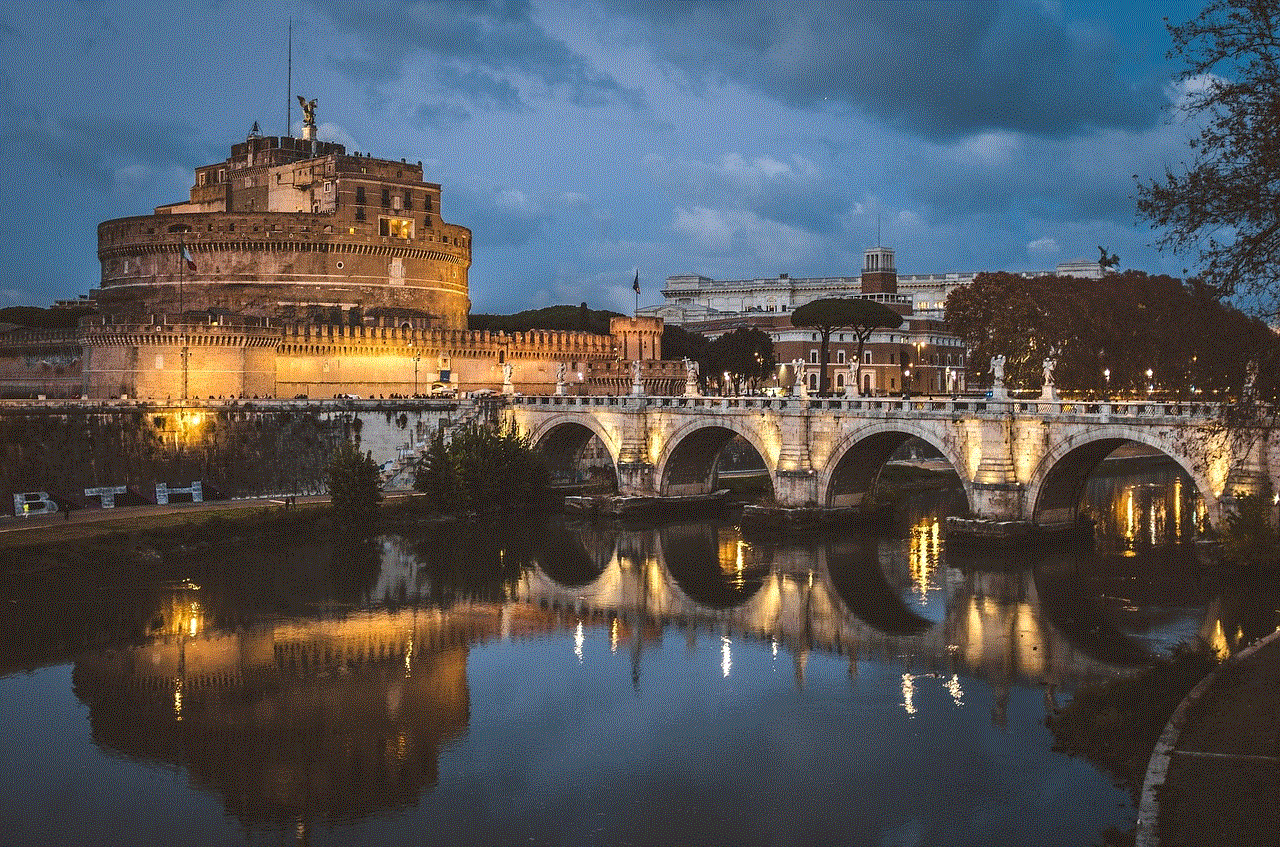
<point x="288" y="97"/>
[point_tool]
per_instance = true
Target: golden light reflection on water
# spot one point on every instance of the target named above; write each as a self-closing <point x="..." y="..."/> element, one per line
<point x="909" y="693"/>
<point x="726" y="655"/>
<point x="925" y="555"/>
<point x="1149" y="513"/>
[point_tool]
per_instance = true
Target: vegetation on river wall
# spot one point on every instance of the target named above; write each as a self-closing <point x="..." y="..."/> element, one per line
<point x="232" y="451"/>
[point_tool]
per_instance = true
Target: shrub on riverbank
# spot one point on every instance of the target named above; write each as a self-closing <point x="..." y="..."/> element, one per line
<point x="482" y="466"/>
<point x="355" y="488"/>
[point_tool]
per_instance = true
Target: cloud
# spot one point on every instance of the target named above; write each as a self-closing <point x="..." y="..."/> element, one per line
<point x="507" y="217"/>
<point x="483" y="54"/>
<point x="937" y="70"/>
<point x="792" y="192"/>
<point x="723" y="230"/>
<point x="1042" y="247"/>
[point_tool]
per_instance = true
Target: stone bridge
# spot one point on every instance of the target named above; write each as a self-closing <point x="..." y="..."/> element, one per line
<point x="1018" y="460"/>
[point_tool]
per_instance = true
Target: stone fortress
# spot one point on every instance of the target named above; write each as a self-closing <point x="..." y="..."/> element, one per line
<point x="297" y="268"/>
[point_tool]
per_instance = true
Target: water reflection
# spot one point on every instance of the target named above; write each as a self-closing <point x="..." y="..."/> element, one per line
<point x="314" y="685"/>
<point x="1142" y="507"/>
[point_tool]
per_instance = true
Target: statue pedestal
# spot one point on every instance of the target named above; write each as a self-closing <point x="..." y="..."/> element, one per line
<point x="1049" y="391"/>
<point x="691" y="388"/>
<point x="560" y="389"/>
<point x="508" y="388"/>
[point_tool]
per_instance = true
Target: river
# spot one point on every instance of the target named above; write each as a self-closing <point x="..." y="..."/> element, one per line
<point x="537" y="681"/>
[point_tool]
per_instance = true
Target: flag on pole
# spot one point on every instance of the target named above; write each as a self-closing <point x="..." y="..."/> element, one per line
<point x="635" y="286"/>
<point x="186" y="257"/>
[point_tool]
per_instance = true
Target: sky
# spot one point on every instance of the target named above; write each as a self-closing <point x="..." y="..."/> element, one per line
<point x="586" y="142"/>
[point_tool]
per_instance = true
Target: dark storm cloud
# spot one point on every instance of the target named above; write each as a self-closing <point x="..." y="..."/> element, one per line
<point x="938" y="70"/>
<point x="480" y="50"/>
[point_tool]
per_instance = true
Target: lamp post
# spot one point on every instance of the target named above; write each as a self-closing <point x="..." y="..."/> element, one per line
<point x="1106" y="376"/>
<point x="417" y="355"/>
<point x="1149" y="386"/>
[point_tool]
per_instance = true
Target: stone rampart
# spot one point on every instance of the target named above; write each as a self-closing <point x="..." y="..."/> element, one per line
<point x="234" y="448"/>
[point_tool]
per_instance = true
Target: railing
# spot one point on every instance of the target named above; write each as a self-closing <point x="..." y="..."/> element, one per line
<point x="880" y="406"/>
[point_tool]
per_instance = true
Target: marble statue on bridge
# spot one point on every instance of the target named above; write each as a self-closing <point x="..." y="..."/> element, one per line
<point x="561" y="368"/>
<point x="507" y="387"/>
<point x="1049" y="391"/>
<point x="997" y="377"/>
<point x="690" y="377"/>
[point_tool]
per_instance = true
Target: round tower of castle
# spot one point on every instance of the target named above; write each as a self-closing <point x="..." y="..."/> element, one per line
<point x="294" y="229"/>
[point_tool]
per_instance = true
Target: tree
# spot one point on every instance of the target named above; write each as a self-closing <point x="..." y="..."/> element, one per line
<point x="1106" y="334"/>
<point x="355" y="487"/>
<point x="481" y="466"/>
<point x="746" y="354"/>
<point x="680" y="343"/>
<point x="856" y="314"/>
<point x="1223" y="208"/>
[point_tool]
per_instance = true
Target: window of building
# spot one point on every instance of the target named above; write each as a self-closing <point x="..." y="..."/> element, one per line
<point x="386" y="197"/>
<point x="359" y="213"/>
<point x="866" y="357"/>
<point x="840" y="379"/>
<point x="408" y="199"/>
<point x="395" y="227"/>
<point x="813" y="382"/>
<point x="840" y="357"/>
<point x="891" y="359"/>
<point x="200" y="180"/>
<point x="813" y="357"/>
<point x="426" y="203"/>
<point x="328" y="187"/>
<point x="360" y="194"/>
<point x="426" y="222"/>
<point x="222" y="174"/>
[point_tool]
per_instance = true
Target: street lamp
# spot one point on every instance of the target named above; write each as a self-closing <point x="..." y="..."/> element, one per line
<point x="1106" y="375"/>
<point x="417" y="354"/>
<point x="1149" y="382"/>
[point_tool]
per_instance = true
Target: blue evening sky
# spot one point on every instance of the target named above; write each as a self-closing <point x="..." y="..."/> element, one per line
<point x="583" y="141"/>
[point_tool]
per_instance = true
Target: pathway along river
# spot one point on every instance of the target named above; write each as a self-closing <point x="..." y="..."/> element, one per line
<point x="568" y="684"/>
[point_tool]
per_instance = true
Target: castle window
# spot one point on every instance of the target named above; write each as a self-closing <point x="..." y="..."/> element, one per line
<point x="395" y="227"/>
<point x="222" y="174"/>
<point x="360" y="194"/>
<point x="408" y="199"/>
<point x="386" y="197"/>
<point x="426" y="222"/>
<point x="201" y="177"/>
<point x="427" y="203"/>
<point x="359" y="213"/>
<point x="328" y="187"/>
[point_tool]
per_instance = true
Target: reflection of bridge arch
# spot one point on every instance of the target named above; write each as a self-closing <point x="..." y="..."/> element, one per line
<point x="849" y="472"/>
<point x="688" y="459"/>
<point x="561" y="439"/>
<point x="1056" y="485"/>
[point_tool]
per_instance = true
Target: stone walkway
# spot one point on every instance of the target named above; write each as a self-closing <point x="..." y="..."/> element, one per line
<point x="1221" y="760"/>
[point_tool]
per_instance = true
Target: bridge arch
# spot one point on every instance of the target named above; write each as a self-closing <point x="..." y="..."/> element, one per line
<point x="561" y="438"/>
<point x="850" y="470"/>
<point x="1056" y="485"/>
<point x="686" y="464"/>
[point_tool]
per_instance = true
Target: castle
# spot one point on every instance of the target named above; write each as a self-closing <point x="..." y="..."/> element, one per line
<point x="297" y="268"/>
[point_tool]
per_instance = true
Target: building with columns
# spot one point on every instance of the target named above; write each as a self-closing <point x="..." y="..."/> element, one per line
<point x="919" y="356"/>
